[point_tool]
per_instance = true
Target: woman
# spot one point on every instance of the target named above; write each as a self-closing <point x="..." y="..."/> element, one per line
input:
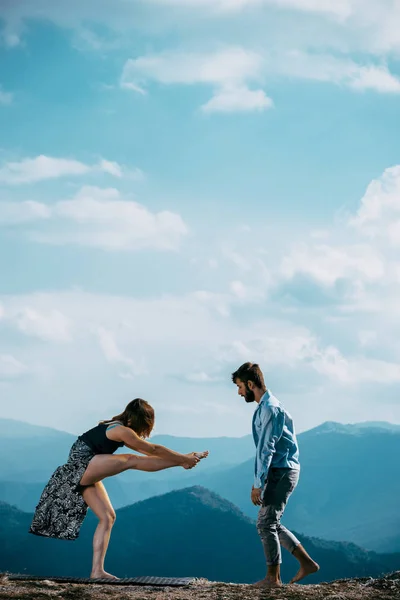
<point x="78" y="485"/>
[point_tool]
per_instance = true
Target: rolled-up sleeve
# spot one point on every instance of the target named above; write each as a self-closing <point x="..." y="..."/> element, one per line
<point x="271" y="427"/>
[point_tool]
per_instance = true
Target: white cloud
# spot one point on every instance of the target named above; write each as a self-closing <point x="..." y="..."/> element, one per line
<point x="10" y="367"/>
<point x="51" y="326"/>
<point x="42" y="167"/>
<point x="5" y="97"/>
<point x="380" y="204"/>
<point x="187" y="331"/>
<point x="337" y="8"/>
<point x="238" y="259"/>
<point x="283" y="345"/>
<point x="363" y="25"/>
<point x="237" y="99"/>
<point x="367" y="337"/>
<point x="112" y="168"/>
<point x="222" y="67"/>
<point x="31" y="170"/>
<point x="201" y="377"/>
<point x="333" y="69"/>
<point x="11" y="40"/>
<point x="14" y="213"/>
<point x="228" y="70"/>
<point x="231" y="70"/>
<point x="246" y="293"/>
<point x="328" y="263"/>
<point x="114" y="355"/>
<point x="100" y="218"/>
<point x="361" y="248"/>
<point x="355" y="371"/>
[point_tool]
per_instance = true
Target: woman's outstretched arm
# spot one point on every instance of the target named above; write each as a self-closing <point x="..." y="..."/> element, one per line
<point x="134" y="442"/>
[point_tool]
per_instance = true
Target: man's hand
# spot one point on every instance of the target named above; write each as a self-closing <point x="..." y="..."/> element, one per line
<point x="256" y="496"/>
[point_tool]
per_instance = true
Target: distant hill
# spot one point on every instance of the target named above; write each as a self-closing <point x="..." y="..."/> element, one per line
<point x="14" y="429"/>
<point x="25" y="495"/>
<point x="348" y="471"/>
<point x="349" y="486"/>
<point x="32" y="452"/>
<point x="190" y="532"/>
<point x="353" y="428"/>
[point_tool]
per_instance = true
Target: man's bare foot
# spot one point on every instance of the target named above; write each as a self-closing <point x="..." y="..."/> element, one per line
<point x="102" y="575"/>
<point x="305" y="570"/>
<point x="267" y="583"/>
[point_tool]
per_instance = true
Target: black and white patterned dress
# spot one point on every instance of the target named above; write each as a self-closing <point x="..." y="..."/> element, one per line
<point x="62" y="509"/>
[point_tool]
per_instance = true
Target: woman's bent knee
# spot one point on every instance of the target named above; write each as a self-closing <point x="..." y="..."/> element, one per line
<point x="108" y="519"/>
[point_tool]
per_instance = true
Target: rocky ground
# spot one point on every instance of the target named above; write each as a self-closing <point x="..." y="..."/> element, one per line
<point x="385" y="588"/>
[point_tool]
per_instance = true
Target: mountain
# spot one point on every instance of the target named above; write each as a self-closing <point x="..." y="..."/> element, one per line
<point x="47" y="448"/>
<point x="14" y="429"/>
<point x="31" y="453"/>
<point x="353" y="428"/>
<point x="190" y="532"/>
<point x="349" y="484"/>
<point x="25" y="495"/>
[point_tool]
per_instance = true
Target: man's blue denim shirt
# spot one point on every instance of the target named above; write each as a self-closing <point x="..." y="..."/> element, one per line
<point x="275" y="439"/>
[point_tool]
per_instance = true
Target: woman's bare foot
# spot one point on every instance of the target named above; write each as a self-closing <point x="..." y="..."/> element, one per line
<point x="305" y="570"/>
<point x="201" y="455"/>
<point x="198" y="456"/>
<point x="102" y="575"/>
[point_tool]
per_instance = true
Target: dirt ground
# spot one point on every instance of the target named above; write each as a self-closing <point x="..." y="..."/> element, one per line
<point x="386" y="588"/>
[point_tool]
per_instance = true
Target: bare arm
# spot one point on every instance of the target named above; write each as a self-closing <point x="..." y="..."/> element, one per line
<point x="134" y="442"/>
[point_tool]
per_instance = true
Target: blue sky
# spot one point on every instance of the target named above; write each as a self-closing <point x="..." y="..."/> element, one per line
<point x="188" y="185"/>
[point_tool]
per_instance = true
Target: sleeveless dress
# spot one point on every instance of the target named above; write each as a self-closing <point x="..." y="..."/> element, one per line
<point x="61" y="508"/>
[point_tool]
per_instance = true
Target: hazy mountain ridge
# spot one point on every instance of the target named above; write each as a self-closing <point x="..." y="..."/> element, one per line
<point x="190" y="532"/>
<point x="349" y="484"/>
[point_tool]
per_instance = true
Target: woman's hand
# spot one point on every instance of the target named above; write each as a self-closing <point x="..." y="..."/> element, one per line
<point x="193" y="458"/>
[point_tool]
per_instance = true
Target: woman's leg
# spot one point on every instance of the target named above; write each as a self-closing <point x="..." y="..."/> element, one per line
<point x="97" y="499"/>
<point x="106" y="465"/>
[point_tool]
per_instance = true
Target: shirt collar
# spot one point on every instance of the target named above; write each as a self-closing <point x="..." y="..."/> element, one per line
<point x="265" y="397"/>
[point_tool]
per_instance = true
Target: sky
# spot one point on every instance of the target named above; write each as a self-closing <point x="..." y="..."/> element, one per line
<point x="186" y="185"/>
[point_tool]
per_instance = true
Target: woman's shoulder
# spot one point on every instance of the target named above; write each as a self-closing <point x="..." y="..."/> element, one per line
<point x="110" y="424"/>
<point x="114" y="430"/>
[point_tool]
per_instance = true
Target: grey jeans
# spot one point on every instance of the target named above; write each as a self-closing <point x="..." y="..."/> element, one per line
<point x="279" y="485"/>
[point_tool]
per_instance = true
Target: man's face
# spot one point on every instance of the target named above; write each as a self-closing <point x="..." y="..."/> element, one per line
<point x="245" y="391"/>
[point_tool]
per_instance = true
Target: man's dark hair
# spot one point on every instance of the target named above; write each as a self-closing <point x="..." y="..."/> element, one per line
<point x="249" y="372"/>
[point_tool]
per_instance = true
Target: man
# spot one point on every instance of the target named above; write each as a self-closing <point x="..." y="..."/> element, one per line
<point x="276" y="474"/>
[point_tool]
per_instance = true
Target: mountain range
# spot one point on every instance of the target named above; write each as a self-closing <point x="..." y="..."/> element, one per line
<point x="349" y="484"/>
<point x="189" y="532"/>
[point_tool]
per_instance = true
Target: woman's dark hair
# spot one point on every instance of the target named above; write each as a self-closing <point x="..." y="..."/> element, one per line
<point x="138" y="415"/>
<point x="249" y="372"/>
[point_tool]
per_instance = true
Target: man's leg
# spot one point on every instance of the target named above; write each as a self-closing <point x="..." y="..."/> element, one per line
<point x="267" y="529"/>
<point x="280" y="484"/>
<point x="307" y="564"/>
<point x="292" y="544"/>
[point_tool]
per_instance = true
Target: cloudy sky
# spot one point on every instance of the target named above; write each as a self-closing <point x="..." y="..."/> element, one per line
<point x="189" y="184"/>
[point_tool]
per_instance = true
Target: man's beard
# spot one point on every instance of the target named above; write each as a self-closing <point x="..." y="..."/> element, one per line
<point x="249" y="397"/>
